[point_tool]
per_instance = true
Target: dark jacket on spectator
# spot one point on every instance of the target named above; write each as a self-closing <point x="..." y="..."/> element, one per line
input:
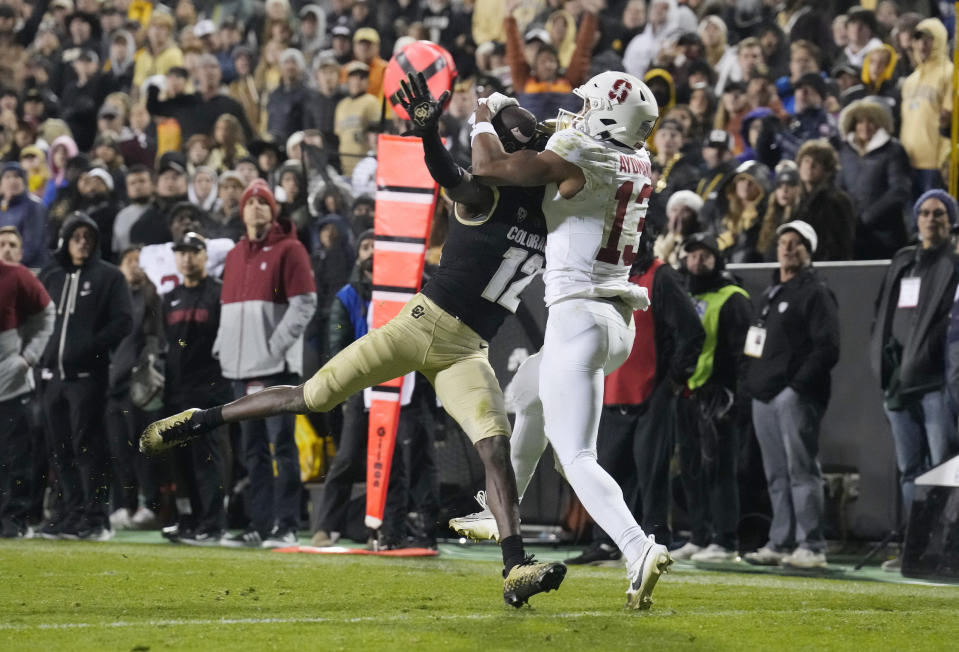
<point x="285" y="110"/>
<point x="318" y="114"/>
<point x="143" y="339"/>
<point x="878" y="179"/>
<point x="153" y="227"/>
<point x="30" y="218"/>
<point x="801" y="318"/>
<point x="830" y="212"/>
<point x="196" y="115"/>
<point x="192" y="319"/>
<point x="93" y="309"/>
<point x="922" y="357"/>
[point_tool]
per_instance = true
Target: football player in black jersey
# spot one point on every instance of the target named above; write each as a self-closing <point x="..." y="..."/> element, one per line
<point x="492" y="252"/>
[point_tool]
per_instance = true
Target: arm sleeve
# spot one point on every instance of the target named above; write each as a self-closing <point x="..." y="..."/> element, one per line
<point x="29" y="30"/>
<point x="37" y="330"/>
<point x="822" y="314"/>
<point x="301" y="294"/>
<point x="680" y="317"/>
<point x="154" y="105"/>
<point x="298" y="314"/>
<point x="582" y="54"/>
<point x="518" y="68"/>
<point x="734" y="320"/>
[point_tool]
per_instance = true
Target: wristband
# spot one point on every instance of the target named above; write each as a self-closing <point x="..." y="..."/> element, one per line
<point x="481" y="128"/>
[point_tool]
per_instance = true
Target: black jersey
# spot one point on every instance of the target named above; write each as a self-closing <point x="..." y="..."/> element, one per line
<point x="490" y="259"/>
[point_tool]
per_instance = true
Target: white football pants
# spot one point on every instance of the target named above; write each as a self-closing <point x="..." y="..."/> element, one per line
<point x="558" y="397"/>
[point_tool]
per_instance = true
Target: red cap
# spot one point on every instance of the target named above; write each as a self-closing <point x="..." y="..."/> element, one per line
<point x="260" y="188"/>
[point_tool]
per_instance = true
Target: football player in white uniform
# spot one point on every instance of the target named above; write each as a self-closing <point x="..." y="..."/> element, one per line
<point x="597" y="177"/>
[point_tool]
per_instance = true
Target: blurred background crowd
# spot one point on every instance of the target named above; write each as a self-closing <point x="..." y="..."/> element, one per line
<point x="141" y="141"/>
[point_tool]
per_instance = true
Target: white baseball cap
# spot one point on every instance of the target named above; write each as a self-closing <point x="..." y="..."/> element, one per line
<point x="805" y="231"/>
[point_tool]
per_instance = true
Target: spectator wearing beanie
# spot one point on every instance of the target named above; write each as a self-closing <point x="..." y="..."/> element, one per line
<point x="268" y="299"/>
<point x="682" y="220"/>
<point x="908" y="342"/>
<point x="18" y="208"/>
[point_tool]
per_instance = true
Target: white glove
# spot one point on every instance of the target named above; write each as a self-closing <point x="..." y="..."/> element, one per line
<point x="497" y="102"/>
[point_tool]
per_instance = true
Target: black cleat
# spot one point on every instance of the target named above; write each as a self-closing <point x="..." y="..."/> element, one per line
<point x="529" y="578"/>
<point x="596" y="554"/>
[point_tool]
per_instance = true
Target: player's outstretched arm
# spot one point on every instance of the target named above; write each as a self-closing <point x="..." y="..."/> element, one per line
<point x="424" y="112"/>
<point x="180" y="428"/>
<point x="496" y="167"/>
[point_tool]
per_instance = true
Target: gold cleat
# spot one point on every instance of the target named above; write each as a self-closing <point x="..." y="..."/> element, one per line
<point x="166" y="433"/>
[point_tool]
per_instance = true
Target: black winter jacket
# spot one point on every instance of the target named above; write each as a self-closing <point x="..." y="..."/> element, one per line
<point x="93" y="310"/>
<point x="677" y="329"/>
<point x="880" y="186"/>
<point x="830" y="212"/>
<point x="801" y="318"/>
<point x="923" y="356"/>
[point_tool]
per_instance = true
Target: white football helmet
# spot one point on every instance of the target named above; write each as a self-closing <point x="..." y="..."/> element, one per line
<point x="616" y="106"/>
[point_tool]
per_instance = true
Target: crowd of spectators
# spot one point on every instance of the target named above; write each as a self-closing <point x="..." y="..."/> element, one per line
<point x="152" y="150"/>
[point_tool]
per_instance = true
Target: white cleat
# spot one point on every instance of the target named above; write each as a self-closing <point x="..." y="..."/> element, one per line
<point x="644" y="574"/>
<point x="687" y="551"/>
<point x="478" y="526"/>
<point x="715" y="553"/>
<point x="805" y="558"/>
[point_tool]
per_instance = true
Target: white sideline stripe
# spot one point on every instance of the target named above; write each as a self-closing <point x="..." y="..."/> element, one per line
<point x="384" y="396"/>
<point x="286" y="621"/>
<point x="402" y="247"/>
<point x="385" y="295"/>
<point x="407" y="197"/>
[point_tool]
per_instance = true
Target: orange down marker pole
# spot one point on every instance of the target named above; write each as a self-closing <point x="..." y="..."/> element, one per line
<point x="405" y="199"/>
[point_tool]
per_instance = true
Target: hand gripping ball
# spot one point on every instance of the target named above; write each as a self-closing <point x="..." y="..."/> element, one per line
<point x="426" y="57"/>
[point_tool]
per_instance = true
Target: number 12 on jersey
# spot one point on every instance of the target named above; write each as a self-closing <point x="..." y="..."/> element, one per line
<point x="508" y="297"/>
<point x="611" y="253"/>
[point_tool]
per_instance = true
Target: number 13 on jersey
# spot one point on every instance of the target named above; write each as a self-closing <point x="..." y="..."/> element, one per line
<point x="611" y="252"/>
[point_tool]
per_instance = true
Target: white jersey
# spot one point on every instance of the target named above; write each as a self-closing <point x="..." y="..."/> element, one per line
<point x="593" y="237"/>
<point x="159" y="262"/>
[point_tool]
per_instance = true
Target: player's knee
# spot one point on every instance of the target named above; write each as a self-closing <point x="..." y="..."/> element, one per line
<point x="577" y="459"/>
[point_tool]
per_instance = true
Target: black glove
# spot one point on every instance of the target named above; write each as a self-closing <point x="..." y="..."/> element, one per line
<point x="423" y="110"/>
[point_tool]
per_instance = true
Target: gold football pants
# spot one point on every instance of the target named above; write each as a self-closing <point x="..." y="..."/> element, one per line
<point x="424" y="338"/>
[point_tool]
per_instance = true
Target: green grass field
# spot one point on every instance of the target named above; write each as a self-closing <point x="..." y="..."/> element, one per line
<point x="137" y="597"/>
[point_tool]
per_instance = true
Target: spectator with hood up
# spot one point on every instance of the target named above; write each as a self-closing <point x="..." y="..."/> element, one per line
<point x="927" y="104"/>
<point x="93" y="315"/>
<point x="874" y="171"/>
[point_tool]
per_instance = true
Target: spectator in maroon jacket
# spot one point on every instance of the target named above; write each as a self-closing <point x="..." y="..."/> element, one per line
<point x="268" y="298"/>
<point x="26" y="323"/>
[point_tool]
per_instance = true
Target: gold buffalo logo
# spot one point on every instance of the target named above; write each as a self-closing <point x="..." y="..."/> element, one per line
<point x="421" y="114"/>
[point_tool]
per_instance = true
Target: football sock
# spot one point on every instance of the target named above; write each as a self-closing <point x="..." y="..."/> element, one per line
<point x="513" y="552"/>
<point x="207" y="420"/>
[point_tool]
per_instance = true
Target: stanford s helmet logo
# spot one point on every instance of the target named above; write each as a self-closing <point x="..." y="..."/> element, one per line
<point x="620" y="91"/>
